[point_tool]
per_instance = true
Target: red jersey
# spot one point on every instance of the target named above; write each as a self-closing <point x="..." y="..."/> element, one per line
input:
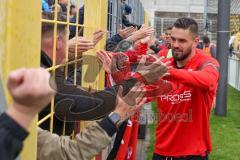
<point x="183" y="117"/>
<point x="163" y="53"/>
<point x="184" y="103"/>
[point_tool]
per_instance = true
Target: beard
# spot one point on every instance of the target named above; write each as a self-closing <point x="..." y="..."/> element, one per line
<point x="179" y="55"/>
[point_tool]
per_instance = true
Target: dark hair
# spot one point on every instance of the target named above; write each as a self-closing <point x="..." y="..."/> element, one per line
<point x="48" y="27"/>
<point x="169" y="28"/>
<point x="205" y="39"/>
<point x="72" y="6"/>
<point x="187" y="23"/>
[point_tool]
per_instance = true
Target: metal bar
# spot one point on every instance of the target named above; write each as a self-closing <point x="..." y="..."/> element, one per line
<point x="75" y="55"/>
<point x="222" y="55"/>
<point x="95" y="15"/>
<point x="44" y="119"/>
<point x="146" y="18"/>
<point x="64" y="64"/>
<point x="54" y="60"/>
<point x="61" y="22"/>
<point x="67" y="37"/>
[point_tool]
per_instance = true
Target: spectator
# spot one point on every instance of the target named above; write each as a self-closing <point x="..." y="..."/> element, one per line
<point x="165" y="48"/>
<point x="126" y="11"/>
<point x="231" y="43"/>
<point x="45" y="6"/>
<point x="73" y="11"/>
<point x="208" y="48"/>
<point x="63" y="5"/>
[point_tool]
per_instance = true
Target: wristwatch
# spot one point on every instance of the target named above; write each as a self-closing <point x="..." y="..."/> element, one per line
<point x="115" y="118"/>
<point x="124" y="45"/>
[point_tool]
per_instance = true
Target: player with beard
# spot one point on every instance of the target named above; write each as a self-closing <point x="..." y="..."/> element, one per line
<point x="183" y="133"/>
<point x="185" y="96"/>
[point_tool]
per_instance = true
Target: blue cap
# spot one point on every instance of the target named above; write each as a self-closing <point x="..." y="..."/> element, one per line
<point x="128" y="9"/>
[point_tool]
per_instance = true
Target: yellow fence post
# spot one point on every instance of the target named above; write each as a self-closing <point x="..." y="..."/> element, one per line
<point x="146" y="18"/>
<point x="95" y="17"/>
<point x="20" y="29"/>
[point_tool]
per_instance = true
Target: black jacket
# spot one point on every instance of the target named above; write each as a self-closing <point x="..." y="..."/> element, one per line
<point x="11" y="133"/>
<point x="73" y="103"/>
<point x="12" y="137"/>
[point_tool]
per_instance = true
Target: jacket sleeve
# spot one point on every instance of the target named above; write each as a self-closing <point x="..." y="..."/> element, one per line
<point x="74" y="103"/>
<point x="85" y="146"/>
<point x="113" y="42"/>
<point x="205" y="78"/>
<point x="12" y="137"/>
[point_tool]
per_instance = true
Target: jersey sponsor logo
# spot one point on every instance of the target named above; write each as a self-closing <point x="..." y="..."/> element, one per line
<point x="177" y="98"/>
<point x="175" y="117"/>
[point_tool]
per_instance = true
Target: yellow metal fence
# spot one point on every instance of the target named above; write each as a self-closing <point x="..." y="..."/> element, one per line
<point x="20" y="45"/>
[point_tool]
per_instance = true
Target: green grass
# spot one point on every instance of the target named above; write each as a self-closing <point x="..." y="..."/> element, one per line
<point x="152" y="129"/>
<point x="225" y="131"/>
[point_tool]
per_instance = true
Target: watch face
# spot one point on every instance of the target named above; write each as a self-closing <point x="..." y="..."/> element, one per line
<point x="115" y="117"/>
<point x="123" y="46"/>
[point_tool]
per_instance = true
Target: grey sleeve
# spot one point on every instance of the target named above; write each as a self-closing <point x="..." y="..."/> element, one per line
<point x="85" y="146"/>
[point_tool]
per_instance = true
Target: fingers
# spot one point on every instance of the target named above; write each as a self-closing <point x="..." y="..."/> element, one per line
<point x="98" y="32"/>
<point x="166" y="74"/>
<point x="97" y="36"/>
<point x="82" y="44"/>
<point x="103" y="57"/>
<point x="136" y="91"/>
<point x="85" y="43"/>
<point x="139" y="92"/>
<point x="125" y="33"/>
<point x="141" y="103"/>
<point x="120" y="92"/>
<point x="100" y="56"/>
<point x="142" y="62"/>
<point x="128" y="29"/>
<point x="158" y="62"/>
<point x="35" y="82"/>
<point x="15" y="78"/>
<point x="142" y="33"/>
